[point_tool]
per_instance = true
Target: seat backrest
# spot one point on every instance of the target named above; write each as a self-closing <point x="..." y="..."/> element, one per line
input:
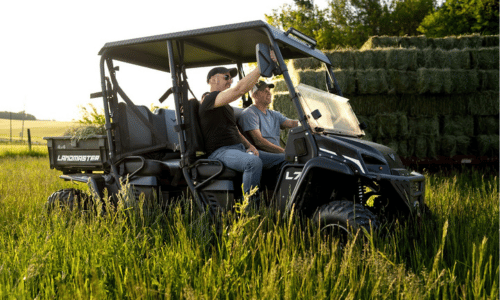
<point x="134" y="135"/>
<point x="194" y="140"/>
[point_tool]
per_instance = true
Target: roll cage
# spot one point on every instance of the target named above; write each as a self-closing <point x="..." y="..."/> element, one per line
<point x="176" y="52"/>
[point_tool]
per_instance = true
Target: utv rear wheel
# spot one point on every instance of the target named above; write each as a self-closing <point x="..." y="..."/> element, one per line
<point x="68" y="199"/>
<point x="343" y="218"/>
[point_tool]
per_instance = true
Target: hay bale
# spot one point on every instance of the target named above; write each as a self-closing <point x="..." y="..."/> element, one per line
<point x="429" y="105"/>
<point x="458" y="125"/>
<point x="446" y="43"/>
<point x="490" y="41"/>
<point x="464" y="81"/>
<point x="346" y="80"/>
<point x="463" y="144"/>
<point x="305" y="64"/>
<point x="423" y="126"/>
<point x="310" y="77"/>
<point x="402" y="82"/>
<point x="371" y="81"/>
<point x="458" y="59"/>
<point x="448" y="145"/>
<point x="342" y="59"/>
<point x="279" y="86"/>
<point x="402" y="59"/>
<point x="487" y="145"/>
<point x="469" y="41"/>
<point x="379" y="58"/>
<point x="282" y="103"/>
<point x="363" y="59"/>
<point x="380" y="42"/>
<point x="386" y="126"/>
<point x="418" y="146"/>
<point x="434" y="58"/>
<point x="485" y="58"/>
<point x="434" y="81"/>
<point x="487" y="125"/>
<point x="488" y="80"/>
<point x="432" y="146"/>
<point x="403" y="150"/>
<point x="483" y="103"/>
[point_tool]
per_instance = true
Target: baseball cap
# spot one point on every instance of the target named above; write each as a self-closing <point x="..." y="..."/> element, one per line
<point x="221" y="70"/>
<point x="261" y="85"/>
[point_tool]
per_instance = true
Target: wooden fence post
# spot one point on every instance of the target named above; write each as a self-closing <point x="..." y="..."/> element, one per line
<point x="29" y="140"/>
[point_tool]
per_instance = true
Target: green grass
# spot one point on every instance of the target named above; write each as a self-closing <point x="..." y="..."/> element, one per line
<point x="38" y="129"/>
<point x="138" y="254"/>
<point x="16" y="150"/>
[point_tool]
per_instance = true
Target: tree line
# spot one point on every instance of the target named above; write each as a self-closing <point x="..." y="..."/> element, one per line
<point x="349" y="23"/>
<point x="16" y="116"/>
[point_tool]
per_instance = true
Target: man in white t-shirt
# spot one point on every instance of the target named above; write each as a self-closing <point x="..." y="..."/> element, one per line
<point x="261" y="124"/>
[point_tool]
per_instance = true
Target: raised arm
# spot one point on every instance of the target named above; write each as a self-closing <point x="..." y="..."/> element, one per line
<point x="241" y="88"/>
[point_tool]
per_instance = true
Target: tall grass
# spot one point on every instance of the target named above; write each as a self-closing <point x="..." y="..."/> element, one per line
<point x="140" y="254"/>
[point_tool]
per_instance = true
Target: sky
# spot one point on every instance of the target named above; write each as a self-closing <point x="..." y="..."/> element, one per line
<point x="48" y="60"/>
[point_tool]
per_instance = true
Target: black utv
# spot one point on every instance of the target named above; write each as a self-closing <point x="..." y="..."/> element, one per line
<point x="332" y="175"/>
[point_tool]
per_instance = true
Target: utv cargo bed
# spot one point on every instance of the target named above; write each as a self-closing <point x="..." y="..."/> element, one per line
<point x="72" y="156"/>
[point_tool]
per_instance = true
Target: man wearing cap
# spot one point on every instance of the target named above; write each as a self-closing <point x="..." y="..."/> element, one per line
<point x="223" y="140"/>
<point x="262" y="124"/>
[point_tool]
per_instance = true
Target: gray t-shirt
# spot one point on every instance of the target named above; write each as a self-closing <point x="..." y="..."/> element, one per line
<point x="269" y="123"/>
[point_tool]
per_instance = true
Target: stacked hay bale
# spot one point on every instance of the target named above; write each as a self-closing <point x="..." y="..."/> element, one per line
<point x="423" y="97"/>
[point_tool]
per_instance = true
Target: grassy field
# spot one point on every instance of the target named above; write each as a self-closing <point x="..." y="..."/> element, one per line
<point x="129" y="254"/>
<point x="38" y="129"/>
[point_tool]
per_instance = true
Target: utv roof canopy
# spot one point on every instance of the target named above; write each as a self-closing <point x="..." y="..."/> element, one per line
<point x="220" y="45"/>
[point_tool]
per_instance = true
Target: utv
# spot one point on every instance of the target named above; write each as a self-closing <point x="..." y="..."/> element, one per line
<point x="332" y="175"/>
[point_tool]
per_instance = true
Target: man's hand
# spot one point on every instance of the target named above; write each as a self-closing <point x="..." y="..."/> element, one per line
<point x="253" y="150"/>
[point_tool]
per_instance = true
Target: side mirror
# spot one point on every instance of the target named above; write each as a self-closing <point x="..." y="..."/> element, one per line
<point x="264" y="62"/>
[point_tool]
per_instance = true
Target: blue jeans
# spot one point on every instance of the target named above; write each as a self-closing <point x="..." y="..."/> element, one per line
<point x="235" y="157"/>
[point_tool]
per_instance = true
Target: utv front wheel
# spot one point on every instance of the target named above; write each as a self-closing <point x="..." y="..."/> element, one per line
<point x="68" y="199"/>
<point x="342" y="218"/>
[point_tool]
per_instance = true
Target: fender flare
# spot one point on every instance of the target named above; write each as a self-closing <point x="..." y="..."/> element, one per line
<point x="321" y="163"/>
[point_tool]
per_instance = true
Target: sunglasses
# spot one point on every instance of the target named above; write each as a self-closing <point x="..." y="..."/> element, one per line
<point x="227" y="77"/>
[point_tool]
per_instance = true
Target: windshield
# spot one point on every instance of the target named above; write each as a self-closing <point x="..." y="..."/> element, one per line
<point x="336" y="112"/>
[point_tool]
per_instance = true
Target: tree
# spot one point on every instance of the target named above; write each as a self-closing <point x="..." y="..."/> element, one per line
<point x="457" y="17"/>
<point x="306" y="18"/>
<point x="349" y="23"/>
